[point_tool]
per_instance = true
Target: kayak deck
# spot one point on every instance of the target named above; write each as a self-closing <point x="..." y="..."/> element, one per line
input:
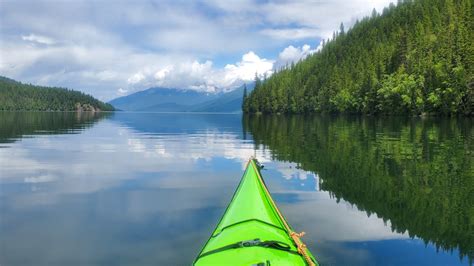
<point x="252" y="231"/>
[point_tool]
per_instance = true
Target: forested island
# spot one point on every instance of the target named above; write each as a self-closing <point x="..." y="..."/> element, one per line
<point x="17" y="96"/>
<point x="417" y="57"/>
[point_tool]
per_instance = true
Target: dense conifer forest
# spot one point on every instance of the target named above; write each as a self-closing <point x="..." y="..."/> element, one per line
<point x="16" y="96"/>
<point x="416" y="57"/>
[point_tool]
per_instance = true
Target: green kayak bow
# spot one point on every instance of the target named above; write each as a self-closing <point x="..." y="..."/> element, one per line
<point x="252" y="230"/>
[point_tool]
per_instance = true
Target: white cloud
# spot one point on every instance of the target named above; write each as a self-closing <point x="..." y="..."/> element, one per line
<point x="203" y="76"/>
<point x="121" y="92"/>
<point x="136" y="78"/>
<point x="38" y="39"/>
<point x="246" y="69"/>
<point x="162" y="73"/>
<point x="293" y="54"/>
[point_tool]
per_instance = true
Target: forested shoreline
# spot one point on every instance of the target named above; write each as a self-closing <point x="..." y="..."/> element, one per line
<point x="17" y="96"/>
<point x="415" y="58"/>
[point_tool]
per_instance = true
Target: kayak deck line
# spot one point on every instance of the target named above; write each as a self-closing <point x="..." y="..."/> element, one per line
<point x="252" y="231"/>
<point x="302" y="249"/>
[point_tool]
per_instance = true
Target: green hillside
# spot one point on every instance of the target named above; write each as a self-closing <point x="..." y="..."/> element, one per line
<point x="416" y="57"/>
<point x="16" y="96"/>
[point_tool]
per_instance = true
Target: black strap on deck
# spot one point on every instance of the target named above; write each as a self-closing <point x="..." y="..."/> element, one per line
<point x="253" y="243"/>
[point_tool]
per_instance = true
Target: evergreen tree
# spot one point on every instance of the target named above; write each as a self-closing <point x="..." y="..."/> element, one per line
<point x="244" y="99"/>
<point x="341" y="29"/>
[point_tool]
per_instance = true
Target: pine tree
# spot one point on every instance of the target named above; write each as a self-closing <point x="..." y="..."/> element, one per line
<point x="244" y="99"/>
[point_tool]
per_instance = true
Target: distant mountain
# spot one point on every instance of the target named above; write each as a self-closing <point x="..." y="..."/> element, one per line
<point x="161" y="99"/>
<point x="16" y="96"/>
<point x="178" y="100"/>
<point x="229" y="102"/>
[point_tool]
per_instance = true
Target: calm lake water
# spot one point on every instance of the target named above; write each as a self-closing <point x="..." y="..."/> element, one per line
<point x="148" y="189"/>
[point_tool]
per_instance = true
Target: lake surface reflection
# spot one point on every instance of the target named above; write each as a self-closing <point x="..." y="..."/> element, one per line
<point x="142" y="188"/>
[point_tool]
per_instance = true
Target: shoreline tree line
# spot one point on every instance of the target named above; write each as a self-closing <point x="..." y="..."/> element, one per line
<point x="416" y="57"/>
<point x="17" y="96"/>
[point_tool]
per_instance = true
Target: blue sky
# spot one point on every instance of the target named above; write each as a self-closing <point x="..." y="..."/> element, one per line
<point x="114" y="48"/>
